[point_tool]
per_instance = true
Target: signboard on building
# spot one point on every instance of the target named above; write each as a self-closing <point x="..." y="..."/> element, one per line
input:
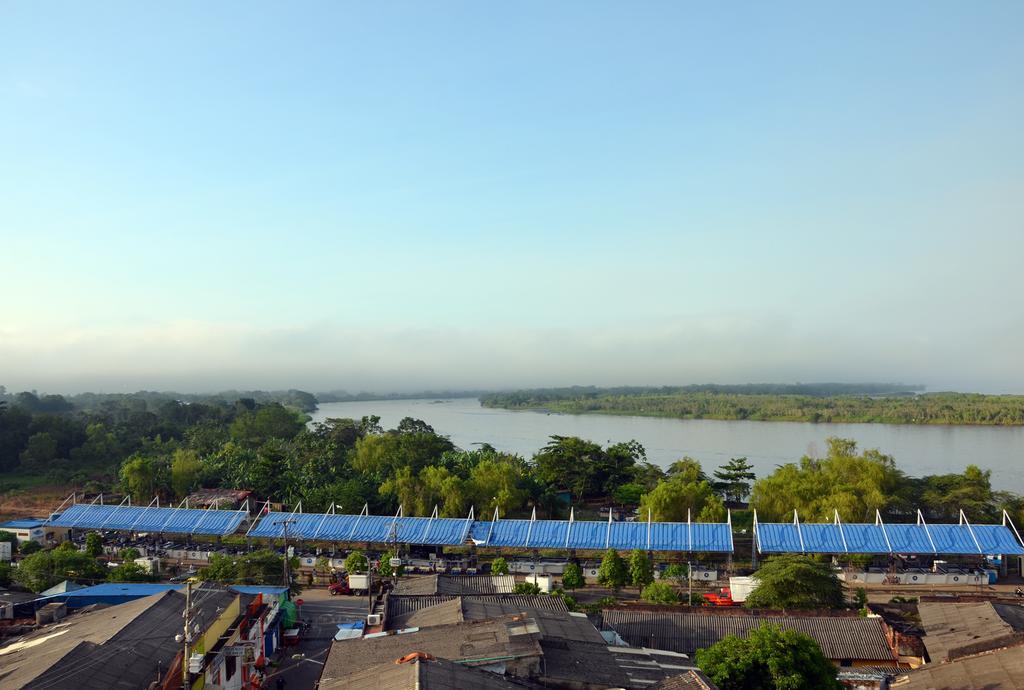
<point x="5" y="550"/>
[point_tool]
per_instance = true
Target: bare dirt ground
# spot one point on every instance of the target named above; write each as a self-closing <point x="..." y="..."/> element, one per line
<point x="36" y="502"/>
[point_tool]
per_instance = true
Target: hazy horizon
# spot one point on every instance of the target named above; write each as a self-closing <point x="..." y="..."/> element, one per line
<point x="469" y="196"/>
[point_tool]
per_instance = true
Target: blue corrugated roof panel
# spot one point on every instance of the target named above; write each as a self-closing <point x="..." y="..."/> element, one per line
<point x="865" y="538"/>
<point x="588" y="534"/>
<point x="21" y="524"/>
<point x="363" y="528"/>
<point x="953" y="539"/>
<point x="509" y="533"/>
<point x="997" y="539"/>
<point x="778" y="537"/>
<point x="823" y="538"/>
<point x="548" y="534"/>
<point x="711" y="537"/>
<point x="150" y="519"/>
<point x="908" y="539"/>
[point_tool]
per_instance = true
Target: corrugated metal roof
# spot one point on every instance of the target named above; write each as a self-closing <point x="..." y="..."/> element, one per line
<point x="948" y="539"/>
<point x="150" y="519"/>
<point x="839" y="637"/>
<point x="21" y="524"/>
<point x="456" y="584"/>
<point x="951" y="625"/>
<point x="597" y="535"/>
<point x="1002" y="669"/>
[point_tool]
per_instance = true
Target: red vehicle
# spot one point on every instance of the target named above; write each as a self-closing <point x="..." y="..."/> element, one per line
<point x="339" y="588"/>
<point x="724" y="598"/>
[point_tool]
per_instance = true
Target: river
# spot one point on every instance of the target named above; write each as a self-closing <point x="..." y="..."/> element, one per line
<point x="918" y="449"/>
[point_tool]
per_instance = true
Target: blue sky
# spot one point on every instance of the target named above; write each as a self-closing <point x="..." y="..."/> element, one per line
<point x="392" y="196"/>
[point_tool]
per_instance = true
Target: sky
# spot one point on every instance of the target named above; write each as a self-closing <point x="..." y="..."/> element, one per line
<point x="398" y="196"/>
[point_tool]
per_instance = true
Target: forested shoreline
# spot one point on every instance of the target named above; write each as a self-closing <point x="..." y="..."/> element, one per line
<point x="817" y="404"/>
<point x="148" y="447"/>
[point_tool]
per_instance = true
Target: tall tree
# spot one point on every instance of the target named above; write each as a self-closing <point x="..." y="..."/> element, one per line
<point x="768" y="658"/>
<point x="791" y="581"/>
<point x="734" y="478"/>
<point x="641" y="570"/>
<point x="612" y="573"/>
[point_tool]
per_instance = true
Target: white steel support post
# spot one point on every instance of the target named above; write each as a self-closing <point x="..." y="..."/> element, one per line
<point x="365" y="512"/>
<point x="928" y="532"/>
<point x="970" y="530"/>
<point x="529" y="528"/>
<point x="127" y="499"/>
<point x="143" y="513"/>
<point x="608" y="531"/>
<point x="1007" y="520"/>
<point x="879" y="523"/>
<point x="799" y="533"/>
<point x="757" y="541"/>
<point x="330" y="511"/>
<point x="171" y="516"/>
<point x="469" y="522"/>
<point x="648" y="529"/>
<point x="490" y="530"/>
<point x="60" y="508"/>
<point x="842" y="535"/>
<point x="689" y="532"/>
<point x="202" y="519"/>
<point x="259" y="517"/>
<point x="568" y="530"/>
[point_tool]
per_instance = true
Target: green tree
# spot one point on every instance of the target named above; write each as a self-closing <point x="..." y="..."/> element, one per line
<point x="385" y="569"/>
<point x="671" y="500"/>
<point x="641" y="570"/>
<point x="734" y="478"/>
<point x="129" y="572"/>
<point x="527" y="588"/>
<point x="499" y="566"/>
<point x="273" y="421"/>
<point x="128" y="554"/>
<point x="612" y="573"/>
<point x="356" y="562"/>
<point x="769" y="658"/>
<point x="94" y="544"/>
<point x="40" y="451"/>
<point x="855" y="485"/>
<point x="185" y="470"/>
<point x="676" y="571"/>
<point x="497" y="482"/>
<point x="660" y="593"/>
<point x="29" y="547"/>
<point x="11" y="538"/>
<point x="139" y="477"/>
<point x="44" y="569"/>
<point x="257" y="568"/>
<point x="5" y="573"/>
<point x="791" y="581"/>
<point x="572" y="577"/>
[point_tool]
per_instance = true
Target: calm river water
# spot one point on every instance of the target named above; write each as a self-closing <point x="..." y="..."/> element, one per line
<point x="918" y="450"/>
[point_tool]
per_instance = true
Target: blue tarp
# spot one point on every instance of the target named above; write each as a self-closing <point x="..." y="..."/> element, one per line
<point x="939" y="539"/>
<point x="150" y="519"/>
<point x="364" y="528"/>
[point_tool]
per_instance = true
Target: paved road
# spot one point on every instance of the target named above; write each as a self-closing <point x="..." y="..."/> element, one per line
<point x="323" y="613"/>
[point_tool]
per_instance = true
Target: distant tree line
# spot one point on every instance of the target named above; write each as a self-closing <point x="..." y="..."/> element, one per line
<point x="877" y="403"/>
<point x="170" y="448"/>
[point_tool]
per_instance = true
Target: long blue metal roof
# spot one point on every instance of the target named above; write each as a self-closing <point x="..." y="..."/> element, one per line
<point x="600" y="535"/>
<point x="962" y="539"/>
<point x="364" y="528"/>
<point x="150" y="519"/>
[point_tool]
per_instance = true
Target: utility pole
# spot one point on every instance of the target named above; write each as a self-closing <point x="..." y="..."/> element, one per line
<point x="287" y="569"/>
<point x="185" y="638"/>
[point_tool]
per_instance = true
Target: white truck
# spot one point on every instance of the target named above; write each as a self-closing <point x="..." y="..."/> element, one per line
<point x="359" y="584"/>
